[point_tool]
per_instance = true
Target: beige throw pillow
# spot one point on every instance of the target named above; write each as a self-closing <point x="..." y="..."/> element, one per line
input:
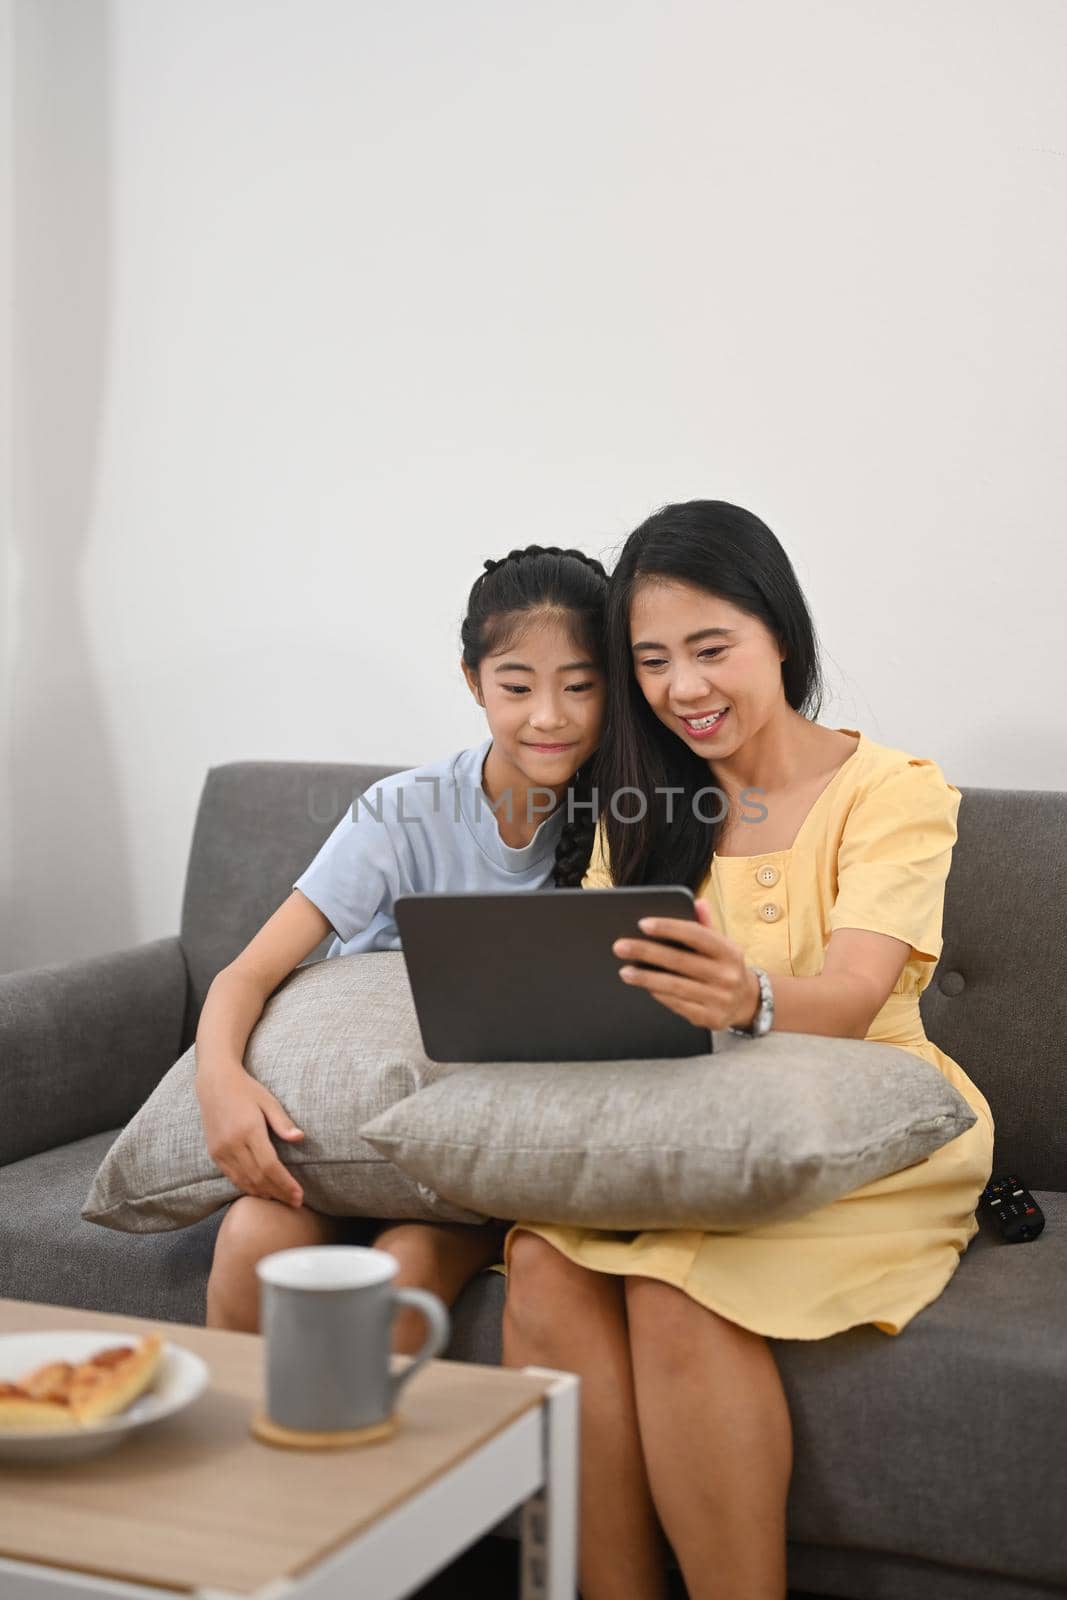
<point x="765" y="1130"/>
<point x="337" y="1043"/>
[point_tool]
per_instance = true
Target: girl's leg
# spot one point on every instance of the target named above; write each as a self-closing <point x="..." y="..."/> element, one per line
<point x="251" y="1229"/>
<point x="561" y="1315"/>
<point x="438" y="1256"/>
<point x="717" y="1440"/>
<point x="442" y="1256"/>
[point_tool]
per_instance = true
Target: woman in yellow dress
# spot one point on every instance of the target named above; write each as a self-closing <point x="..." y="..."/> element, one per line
<point x="818" y="857"/>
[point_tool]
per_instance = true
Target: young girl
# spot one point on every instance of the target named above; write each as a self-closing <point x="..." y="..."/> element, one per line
<point x="492" y="818"/>
<point x="819" y="912"/>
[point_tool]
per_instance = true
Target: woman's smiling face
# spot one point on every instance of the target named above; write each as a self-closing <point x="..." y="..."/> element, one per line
<point x="711" y="672"/>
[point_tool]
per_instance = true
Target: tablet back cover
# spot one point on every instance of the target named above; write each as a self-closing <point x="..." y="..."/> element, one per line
<point x="532" y="976"/>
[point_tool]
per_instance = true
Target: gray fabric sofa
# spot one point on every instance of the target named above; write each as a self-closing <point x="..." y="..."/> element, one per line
<point x="932" y="1466"/>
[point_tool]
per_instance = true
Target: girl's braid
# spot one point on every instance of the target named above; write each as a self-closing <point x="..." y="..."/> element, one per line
<point x="547" y="550"/>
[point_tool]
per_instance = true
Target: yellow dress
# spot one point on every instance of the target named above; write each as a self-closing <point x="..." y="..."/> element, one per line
<point x="873" y="852"/>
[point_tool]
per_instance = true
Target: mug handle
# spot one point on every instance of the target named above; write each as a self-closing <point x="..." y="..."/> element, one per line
<point x="439" y="1327"/>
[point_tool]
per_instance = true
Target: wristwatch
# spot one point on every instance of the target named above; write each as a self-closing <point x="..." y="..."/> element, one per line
<point x="763" y="1021"/>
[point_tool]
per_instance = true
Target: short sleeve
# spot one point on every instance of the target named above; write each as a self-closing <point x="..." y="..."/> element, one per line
<point x="356" y="872"/>
<point x="598" y="872"/>
<point x="894" y="857"/>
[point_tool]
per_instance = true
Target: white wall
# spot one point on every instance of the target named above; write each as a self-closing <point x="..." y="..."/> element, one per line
<point x="321" y="302"/>
<point x="8" y="954"/>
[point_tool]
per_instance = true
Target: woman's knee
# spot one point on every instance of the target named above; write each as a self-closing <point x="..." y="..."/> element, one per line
<point x="651" y="1303"/>
<point x="673" y="1330"/>
<point x="545" y="1288"/>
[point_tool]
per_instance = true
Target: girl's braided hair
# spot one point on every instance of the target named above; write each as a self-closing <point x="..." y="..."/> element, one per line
<point x="548" y="578"/>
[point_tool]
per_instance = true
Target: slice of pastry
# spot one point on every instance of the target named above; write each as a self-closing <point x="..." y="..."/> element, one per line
<point x="113" y="1378"/>
<point x="64" y="1394"/>
<point x="50" y="1382"/>
<point x="24" y="1413"/>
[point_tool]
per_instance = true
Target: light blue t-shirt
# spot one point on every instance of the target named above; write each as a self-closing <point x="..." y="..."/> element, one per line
<point x="428" y="830"/>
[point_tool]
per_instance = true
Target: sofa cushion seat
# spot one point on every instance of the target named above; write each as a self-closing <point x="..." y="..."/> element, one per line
<point x="953" y="1430"/>
<point x="62" y="1260"/>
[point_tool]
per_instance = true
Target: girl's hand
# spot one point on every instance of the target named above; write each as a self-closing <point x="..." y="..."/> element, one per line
<point x="236" y="1112"/>
<point x="707" y="982"/>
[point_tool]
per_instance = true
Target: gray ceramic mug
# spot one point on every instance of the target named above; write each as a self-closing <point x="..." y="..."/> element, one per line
<point x="327" y="1318"/>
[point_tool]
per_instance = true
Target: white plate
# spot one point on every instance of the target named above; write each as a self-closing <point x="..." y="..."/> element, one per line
<point x="180" y="1379"/>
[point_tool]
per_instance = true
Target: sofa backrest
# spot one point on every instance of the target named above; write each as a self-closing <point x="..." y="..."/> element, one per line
<point x="258" y="826"/>
<point x="997" y="1002"/>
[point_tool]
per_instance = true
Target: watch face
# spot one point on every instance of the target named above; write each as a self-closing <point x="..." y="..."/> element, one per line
<point x="765" y="1015"/>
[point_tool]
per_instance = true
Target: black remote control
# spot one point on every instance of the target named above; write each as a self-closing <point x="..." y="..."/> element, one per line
<point x="1013" y="1209"/>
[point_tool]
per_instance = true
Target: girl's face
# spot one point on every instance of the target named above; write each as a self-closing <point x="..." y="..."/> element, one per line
<point x="710" y="672"/>
<point x="543" y="697"/>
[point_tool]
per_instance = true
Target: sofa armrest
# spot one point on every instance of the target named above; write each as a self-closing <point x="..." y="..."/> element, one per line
<point x="83" y="1045"/>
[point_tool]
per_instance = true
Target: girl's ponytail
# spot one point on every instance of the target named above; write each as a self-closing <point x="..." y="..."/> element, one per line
<point x="575" y="844"/>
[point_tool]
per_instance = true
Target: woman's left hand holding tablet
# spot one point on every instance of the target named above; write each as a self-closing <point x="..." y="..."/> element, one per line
<point x="707" y="981"/>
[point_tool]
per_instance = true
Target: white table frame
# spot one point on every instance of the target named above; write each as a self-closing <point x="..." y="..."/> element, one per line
<point x="532" y="1463"/>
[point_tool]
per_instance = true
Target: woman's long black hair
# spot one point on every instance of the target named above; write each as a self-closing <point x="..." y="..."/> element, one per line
<point x="575" y="586"/>
<point x="727" y="551"/>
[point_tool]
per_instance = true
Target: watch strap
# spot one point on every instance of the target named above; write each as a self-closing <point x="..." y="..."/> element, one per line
<point x="763" y="1021"/>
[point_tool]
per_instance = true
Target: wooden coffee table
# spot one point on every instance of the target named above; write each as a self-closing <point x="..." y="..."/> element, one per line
<point x="195" y="1505"/>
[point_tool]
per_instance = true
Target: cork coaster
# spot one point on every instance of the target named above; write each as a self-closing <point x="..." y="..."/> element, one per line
<point x="334" y="1439"/>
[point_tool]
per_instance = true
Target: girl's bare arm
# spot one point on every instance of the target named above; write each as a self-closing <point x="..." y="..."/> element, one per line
<point x="235" y="1109"/>
<point x="239" y="992"/>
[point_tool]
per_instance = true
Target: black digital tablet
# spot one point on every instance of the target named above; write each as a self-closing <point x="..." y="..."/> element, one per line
<point x="532" y="976"/>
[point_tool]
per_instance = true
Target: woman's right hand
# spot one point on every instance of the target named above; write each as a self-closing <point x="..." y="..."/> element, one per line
<point x="237" y="1112"/>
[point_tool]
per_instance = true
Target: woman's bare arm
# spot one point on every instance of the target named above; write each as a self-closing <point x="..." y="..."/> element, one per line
<point x="857" y="978"/>
<point x="709" y="982"/>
